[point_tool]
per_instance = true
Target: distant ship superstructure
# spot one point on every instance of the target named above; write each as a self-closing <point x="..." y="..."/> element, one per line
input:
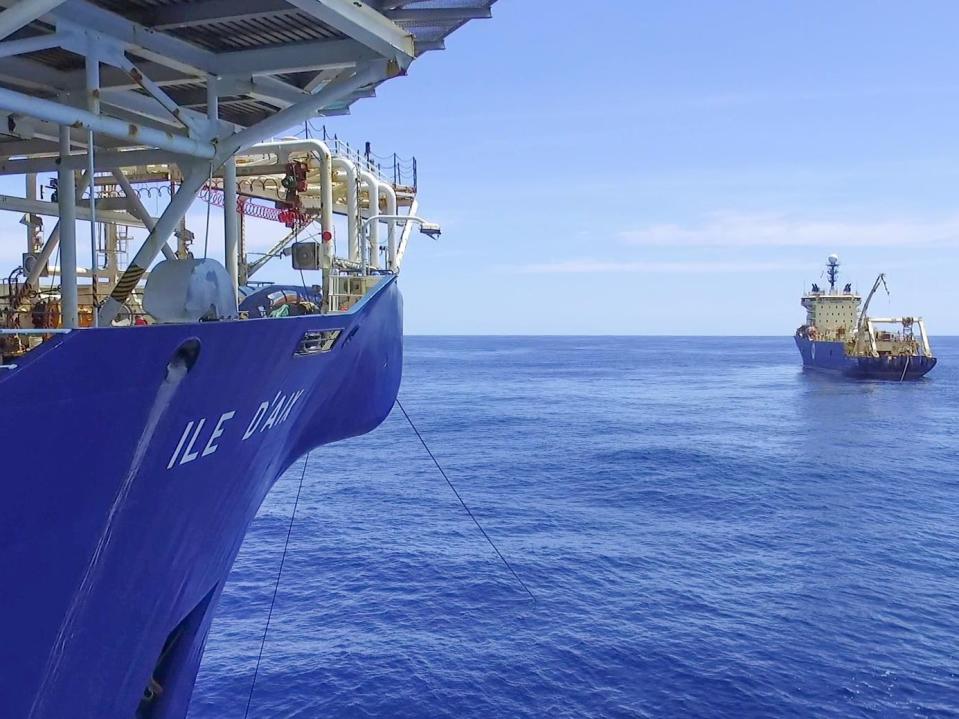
<point x="839" y="335"/>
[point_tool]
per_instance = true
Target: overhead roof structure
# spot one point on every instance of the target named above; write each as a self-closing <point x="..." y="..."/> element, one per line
<point x="185" y="75"/>
<point x="88" y="86"/>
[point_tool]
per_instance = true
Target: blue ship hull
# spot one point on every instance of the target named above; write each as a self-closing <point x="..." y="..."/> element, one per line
<point x="832" y="356"/>
<point x="130" y="479"/>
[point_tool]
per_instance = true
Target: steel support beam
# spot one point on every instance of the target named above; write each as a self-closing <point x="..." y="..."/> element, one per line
<point x="116" y="79"/>
<point x="64" y="115"/>
<point x="295" y="114"/>
<point x="292" y="57"/>
<point x="164" y="227"/>
<point x="274" y="251"/>
<point x="268" y="89"/>
<point x="405" y="237"/>
<point x="66" y="194"/>
<point x="158" y="94"/>
<point x="105" y="160"/>
<point x="364" y="24"/>
<point x="148" y="107"/>
<point x="31" y="44"/>
<point x="93" y="105"/>
<point x="24" y="12"/>
<point x="139" y="211"/>
<point x="50" y="209"/>
<point x="230" y="226"/>
<point x="429" y="16"/>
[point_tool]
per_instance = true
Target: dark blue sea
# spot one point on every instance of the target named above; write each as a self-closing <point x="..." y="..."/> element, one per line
<point x="708" y="530"/>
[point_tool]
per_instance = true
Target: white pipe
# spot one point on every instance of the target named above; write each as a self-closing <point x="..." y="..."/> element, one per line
<point x="405" y="235"/>
<point x="372" y="188"/>
<point x="352" y="206"/>
<point x="66" y="196"/>
<point x="873" y="347"/>
<point x="926" y="349"/>
<point x="407" y="220"/>
<point x="282" y="150"/>
<point x="390" y="195"/>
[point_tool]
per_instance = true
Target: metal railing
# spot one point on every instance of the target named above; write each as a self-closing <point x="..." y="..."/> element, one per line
<point x="396" y="170"/>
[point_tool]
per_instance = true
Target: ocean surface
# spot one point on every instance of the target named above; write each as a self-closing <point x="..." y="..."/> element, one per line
<point x="708" y="531"/>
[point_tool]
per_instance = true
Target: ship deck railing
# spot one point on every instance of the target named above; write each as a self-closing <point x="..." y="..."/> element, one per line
<point x="399" y="171"/>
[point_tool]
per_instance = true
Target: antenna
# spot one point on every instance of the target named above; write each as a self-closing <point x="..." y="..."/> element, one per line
<point x="832" y="269"/>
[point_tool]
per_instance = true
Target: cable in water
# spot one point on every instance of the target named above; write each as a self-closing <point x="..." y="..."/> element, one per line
<point x="276" y="587"/>
<point x="470" y="513"/>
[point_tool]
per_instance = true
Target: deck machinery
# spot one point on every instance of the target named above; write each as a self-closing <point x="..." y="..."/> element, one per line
<point x="116" y="539"/>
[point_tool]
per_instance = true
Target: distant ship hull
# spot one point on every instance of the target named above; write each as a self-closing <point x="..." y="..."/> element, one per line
<point x="832" y="357"/>
<point x="129" y="486"/>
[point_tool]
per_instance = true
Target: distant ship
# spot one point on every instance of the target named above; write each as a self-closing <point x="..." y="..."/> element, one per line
<point x="838" y="336"/>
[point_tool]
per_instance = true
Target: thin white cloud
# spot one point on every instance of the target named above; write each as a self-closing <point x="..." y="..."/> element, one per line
<point x="729" y="229"/>
<point x="655" y="267"/>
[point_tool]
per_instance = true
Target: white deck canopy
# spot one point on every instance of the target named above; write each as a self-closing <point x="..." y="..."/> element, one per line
<point x="166" y="68"/>
<point x="91" y="86"/>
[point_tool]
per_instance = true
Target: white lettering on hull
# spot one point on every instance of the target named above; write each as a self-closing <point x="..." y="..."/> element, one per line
<point x="187" y="448"/>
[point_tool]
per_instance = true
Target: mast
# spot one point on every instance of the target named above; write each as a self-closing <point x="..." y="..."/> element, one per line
<point x="832" y="271"/>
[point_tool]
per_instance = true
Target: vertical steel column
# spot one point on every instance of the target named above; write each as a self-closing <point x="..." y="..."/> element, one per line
<point x="66" y="196"/>
<point x="243" y="267"/>
<point x="53" y="240"/>
<point x="31" y="180"/>
<point x="230" y="229"/>
<point x="93" y="105"/>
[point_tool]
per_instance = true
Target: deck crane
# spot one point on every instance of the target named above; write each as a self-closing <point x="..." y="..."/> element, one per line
<point x="861" y="326"/>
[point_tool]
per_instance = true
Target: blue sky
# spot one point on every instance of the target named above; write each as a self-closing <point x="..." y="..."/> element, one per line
<point x="672" y="168"/>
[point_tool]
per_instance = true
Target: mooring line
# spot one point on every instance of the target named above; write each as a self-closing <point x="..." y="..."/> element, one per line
<point x="276" y="587"/>
<point x="470" y="513"/>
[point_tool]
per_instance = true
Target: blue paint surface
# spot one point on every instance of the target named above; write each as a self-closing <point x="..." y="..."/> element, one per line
<point x="710" y="531"/>
<point x="130" y="476"/>
<point x="831" y="356"/>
